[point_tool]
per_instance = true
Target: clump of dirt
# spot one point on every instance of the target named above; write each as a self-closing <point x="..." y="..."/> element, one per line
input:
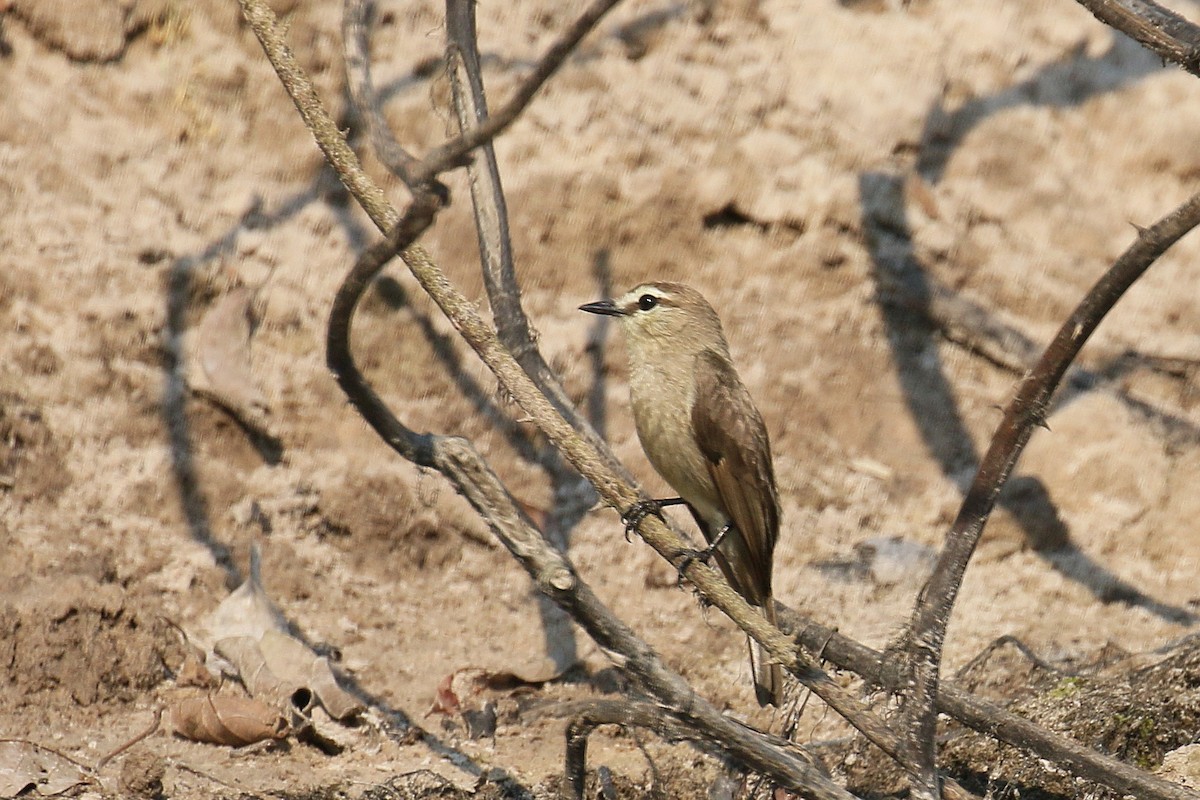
<point x="81" y="642"/>
<point x="1135" y="714"/>
<point x="31" y="459"/>
<point x="375" y="517"/>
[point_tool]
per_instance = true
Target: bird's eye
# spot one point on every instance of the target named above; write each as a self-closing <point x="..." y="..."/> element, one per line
<point x="647" y="302"/>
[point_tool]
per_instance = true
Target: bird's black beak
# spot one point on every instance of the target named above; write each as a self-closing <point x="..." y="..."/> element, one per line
<point x="606" y="307"/>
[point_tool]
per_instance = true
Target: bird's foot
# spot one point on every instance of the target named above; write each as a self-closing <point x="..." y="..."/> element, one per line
<point x="637" y="512"/>
<point x="704" y="556"/>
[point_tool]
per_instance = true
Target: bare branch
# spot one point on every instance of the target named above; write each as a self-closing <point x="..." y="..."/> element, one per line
<point x="587" y="715"/>
<point x="491" y="221"/>
<point x="926" y="631"/>
<point x="1158" y="29"/>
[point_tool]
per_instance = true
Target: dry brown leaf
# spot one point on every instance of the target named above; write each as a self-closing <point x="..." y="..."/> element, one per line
<point x="294" y="662"/>
<point x="282" y="670"/>
<point x="231" y="721"/>
<point x="260" y="680"/>
<point x="30" y="770"/>
<point x="339" y="703"/>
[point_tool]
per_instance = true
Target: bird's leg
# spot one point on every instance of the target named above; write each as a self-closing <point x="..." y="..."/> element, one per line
<point x="703" y="555"/>
<point x="633" y="516"/>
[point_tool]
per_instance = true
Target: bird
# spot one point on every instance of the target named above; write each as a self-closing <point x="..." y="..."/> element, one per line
<point x="702" y="433"/>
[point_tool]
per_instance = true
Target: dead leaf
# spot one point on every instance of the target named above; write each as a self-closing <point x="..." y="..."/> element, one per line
<point x="282" y="669"/>
<point x="294" y="661"/>
<point x="260" y="680"/>
<point x="250" y="632"/>
<point x="231" y="721"/>
<point x="31" y="770"/>
<point x="223" y="350"/>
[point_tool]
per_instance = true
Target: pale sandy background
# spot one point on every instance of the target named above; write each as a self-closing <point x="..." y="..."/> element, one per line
<point x="791" y="160"/>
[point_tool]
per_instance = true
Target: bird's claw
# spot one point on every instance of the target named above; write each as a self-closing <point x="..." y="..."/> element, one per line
<point x="637" y="512"/>
<point x="703" y="556"/>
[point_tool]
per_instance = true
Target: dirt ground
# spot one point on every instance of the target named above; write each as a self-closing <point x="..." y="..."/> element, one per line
<point x="823" y="172"/>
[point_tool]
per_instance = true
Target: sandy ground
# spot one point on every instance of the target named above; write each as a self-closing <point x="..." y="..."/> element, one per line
<point x="818" y="170"/>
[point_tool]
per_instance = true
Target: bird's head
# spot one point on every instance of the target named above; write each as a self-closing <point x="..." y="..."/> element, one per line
<point x="664" y="317"/>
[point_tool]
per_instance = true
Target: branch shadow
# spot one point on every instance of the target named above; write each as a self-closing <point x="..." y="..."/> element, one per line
<point x="932" y="405"/>
<point x="396" y="724"/>
<point x="1065" y="83"/>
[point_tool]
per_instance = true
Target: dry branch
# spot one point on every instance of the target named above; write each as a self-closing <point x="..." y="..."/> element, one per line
<point x="982" y="716"/>
<point x="587" y="715"/>
<point x="453" y="152"/>
<point x="356" y="15"/>
<point x="922" y="641"/>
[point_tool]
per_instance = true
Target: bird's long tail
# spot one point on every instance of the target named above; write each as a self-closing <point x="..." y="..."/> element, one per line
<point x="768" y="677"/>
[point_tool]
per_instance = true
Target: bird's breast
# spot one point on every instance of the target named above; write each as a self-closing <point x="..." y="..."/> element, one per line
<point x="662" y="412"/>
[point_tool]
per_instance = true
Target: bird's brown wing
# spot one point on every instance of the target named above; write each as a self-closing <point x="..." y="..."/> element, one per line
<point x="733" y="439"/>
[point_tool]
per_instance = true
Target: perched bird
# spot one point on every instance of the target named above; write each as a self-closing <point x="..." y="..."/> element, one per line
<point x="704" y="435"/>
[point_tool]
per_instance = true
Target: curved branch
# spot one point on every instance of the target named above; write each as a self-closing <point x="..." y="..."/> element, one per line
<point x="926" y="630"/>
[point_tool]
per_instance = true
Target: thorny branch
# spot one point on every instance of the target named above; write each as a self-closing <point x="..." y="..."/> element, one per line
<point x="1158" y="29"/>
<point x="925" y="635"/>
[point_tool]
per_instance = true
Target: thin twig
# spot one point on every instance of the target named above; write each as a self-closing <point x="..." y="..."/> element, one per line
<point x="1158" y="29"/>
<point x="149" y="731"/>
<point x="452" y="153"/>
<point x="926" y="631"/>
